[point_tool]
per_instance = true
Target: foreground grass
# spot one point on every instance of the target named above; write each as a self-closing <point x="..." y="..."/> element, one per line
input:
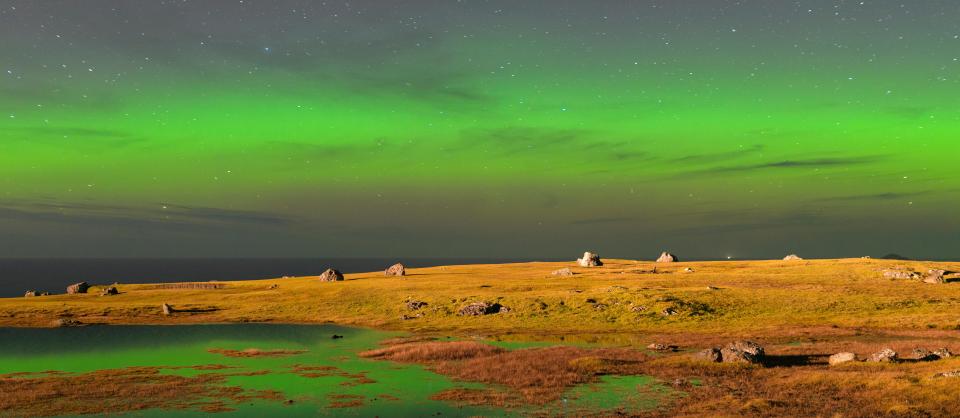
<point x="750" y="297"/>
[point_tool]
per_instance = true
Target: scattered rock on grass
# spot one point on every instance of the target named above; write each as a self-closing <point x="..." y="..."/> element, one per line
<point x="589" y="260"/>
<point x="792" y="257"/>
<point x="167" y="310"/>
<point x="563" y="272"/>
<point x="331" y="275"/>
<point x="395" y="270"/>
<point x="415" y="304"/>
<point x="742" y="352"/>
<point x="112" y="290"/>
<point x="841" y="358"/>
<point x="935" y="276"/>
<point x="712" y="355"/>
<point x="886" y="355"/>
<point x="31" y="293"/>
<point x="952" y="373"/>
<point x="943" y="353"/>
<point x="900" y="274"/>
<point x="661" y="347"/>
<point x="76" y="288"/>
<point x="688" y="270"/>
<point x="480" y="308"/>
<point x="668" y="312"/>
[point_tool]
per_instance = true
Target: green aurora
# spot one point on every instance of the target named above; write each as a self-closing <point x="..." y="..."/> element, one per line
<point x="470" y="128"/>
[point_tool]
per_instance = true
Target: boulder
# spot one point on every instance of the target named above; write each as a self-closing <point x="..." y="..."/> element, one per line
<point x="666" y="257"/>
<point x="480" y="308"/>
<point x="742" y="352"/>
<point x="167" y="310"/>
<point x="395" y="270"/>
<point x="688" y="270"/>
<point x="883" y="356"/>
<point x="331" y="275"/>
<point x="112" y="290"/>
<point x="273" y="286"/>
<point x="922" y="354"/>
<point x="81" y="287"/>
<point x="564" y="272"/>
<point x="841" y="358"/>
<point x="415" y="304"/>
<point x="792" y="257"/>
<point x="943" y="353"/>
<point x="589" y="260"/>
<point x="935" y="276"/>
<point x="31" y="293"/>
<point x="711" y="354"/>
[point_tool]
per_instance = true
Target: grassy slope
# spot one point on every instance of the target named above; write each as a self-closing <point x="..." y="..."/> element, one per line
<point x="751" y="297"/>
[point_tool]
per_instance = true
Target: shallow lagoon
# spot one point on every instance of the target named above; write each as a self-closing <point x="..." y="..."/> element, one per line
<point x="371" y="388"/>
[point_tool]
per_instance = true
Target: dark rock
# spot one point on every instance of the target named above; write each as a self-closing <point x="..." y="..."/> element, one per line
<point x="742" y="352"/>
<point x="712" y="355"/>
<point x="883" y="356"/>
<point x="666" y="257"/>
<point x="589" y="260"/>
<point x="415" y="304"/>
<point x="395" y="270"/>
<point x="167" y="310"/>
<point x="331" y="275"/>
<point x="66" y="322"/>
<point x="668" y="312"/>
<point x="480" y="308"/>
<point x="922" y="354"/>
<point x="76" y="288"/>
<point x="336" y="337"/>
<point x="112" y="290"/>
<point x="274" y="286"/>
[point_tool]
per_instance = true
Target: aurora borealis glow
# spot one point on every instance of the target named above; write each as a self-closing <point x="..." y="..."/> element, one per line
<point x="479" y="128"/>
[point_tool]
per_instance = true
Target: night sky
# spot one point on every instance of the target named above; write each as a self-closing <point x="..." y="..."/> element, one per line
<point x="528" y="129"/>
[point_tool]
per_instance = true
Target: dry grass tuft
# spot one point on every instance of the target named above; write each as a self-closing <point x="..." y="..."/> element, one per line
<point x="255" y="352"/>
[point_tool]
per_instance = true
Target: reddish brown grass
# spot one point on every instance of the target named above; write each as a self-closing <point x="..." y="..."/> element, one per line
<point x="255" y="352"/>
<point x="118" y="391"/>
<point x="433" y="351"/>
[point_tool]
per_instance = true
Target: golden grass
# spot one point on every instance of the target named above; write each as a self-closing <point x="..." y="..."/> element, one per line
<point x="742" y="297"/>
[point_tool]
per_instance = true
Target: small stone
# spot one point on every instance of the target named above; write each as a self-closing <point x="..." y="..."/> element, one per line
<point x="668" y="312"/>
<point x="638" y="308"/>
<point x="792" y="257"/>
<point x="274" y="286"/>
<point x="331" y="275"/>
<point x="943" y="353"/>
<point x="589" y="260"/>
<point x="884" y="356"/>
<point x="841" y="358"/>
<point x="661" y="347"/>
<point x="688" y="270"/>
<point x="336" y="337"/>
<point x="31" y="293"/>
<point x="112" y="290"/>
<point x="167" y="310"/>
<point x="395" y="270"/>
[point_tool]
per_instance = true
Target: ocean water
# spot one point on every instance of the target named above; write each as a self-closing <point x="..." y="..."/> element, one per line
<point x="54" y="275"/>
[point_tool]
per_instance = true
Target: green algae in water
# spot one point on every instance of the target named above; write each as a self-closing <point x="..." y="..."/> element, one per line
<point x="626" y="394"/>
<point x="381" y="388"/>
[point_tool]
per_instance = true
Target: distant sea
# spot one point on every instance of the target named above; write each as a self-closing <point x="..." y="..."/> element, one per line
<point x="54" y="275"/>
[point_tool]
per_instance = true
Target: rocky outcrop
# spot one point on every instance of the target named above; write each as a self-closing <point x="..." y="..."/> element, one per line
<point x="886" y="355"/>
<point x="76" y="288"/>
<point x="31" y="293"/>
<point x="331" y="275"/>
<point x="935" y="276"/>
<point x="792" y="257"/>
<point x="589" y="260"/>
<point x="395" y="270"/>
<point x="900" y="273"/>
<point x="841" y="358"/>
<point x="564" y="272"/>
<point x="112" y="290"/>
<point x="666" y="257"/>
<point x="480" y="308"/>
